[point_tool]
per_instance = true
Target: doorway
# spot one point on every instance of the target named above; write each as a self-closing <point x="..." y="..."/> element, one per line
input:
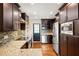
<point x="36" y="32"/>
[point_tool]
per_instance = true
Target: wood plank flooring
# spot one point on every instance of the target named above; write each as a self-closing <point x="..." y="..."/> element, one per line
<point x="47" y="49"/>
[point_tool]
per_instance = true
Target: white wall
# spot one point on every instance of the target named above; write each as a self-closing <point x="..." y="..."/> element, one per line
<point x="31" y="22"/>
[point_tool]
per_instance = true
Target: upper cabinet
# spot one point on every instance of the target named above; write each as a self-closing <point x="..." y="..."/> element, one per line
<point x="72" y="11"/>
<point x="63" y="16"/>
<point x="8" y="17"/>
<point x="47" y="23"/>
<point x="23" y="15"/>
<point x="69" y="12"/>
<point x="16" y="17"/>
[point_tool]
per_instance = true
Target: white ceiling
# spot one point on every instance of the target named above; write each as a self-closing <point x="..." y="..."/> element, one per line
<point x="40" y="10"/>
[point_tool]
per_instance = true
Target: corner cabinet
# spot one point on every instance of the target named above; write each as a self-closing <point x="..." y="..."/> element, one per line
<point x="6" y="17"/>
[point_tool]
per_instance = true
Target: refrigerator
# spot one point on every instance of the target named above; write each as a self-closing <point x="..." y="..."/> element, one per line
<point x="56" y="37"/>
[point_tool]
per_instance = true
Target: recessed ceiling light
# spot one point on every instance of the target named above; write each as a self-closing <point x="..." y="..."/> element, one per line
<point x="34" y="12"/>
<point x="51" y="12"/>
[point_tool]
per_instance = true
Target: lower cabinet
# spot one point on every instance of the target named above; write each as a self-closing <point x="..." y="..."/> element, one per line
<point x="63" y="45"/>
<point x="69" y="45"/>
<point x="73" y="46"/>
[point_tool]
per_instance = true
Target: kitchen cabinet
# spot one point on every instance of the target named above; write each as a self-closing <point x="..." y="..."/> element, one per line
<point x="76" y="27"/>
<point x="22" y="26"/>
<point x="73" y="46"/>
<point x="72" y="11"/>
<point x="63" y="15"/>
<point x="15" y="17"/>
<point x="49" y="39"/>
<point x="6" y="17"/>
<point x="63" y="45"/>
<point x="69" y="43"/>
<point x="47" y="23"/>
<point x="23" y="15"/>
<point x="44" y="23"/>
<point x="76" y="48"/>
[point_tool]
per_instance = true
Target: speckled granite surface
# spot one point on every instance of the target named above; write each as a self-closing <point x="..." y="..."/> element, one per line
<point x="13" y="49"/>
<point x="20" y="52"/>
<point x="12" y="35"/>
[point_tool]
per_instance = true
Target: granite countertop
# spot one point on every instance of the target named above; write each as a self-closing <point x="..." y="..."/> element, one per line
<point x="20" y="52"/>
<point x="13" y="49"/>
<point x="14" y="44"/>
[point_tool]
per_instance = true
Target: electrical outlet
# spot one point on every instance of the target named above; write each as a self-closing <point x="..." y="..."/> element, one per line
<point x="6" y="36"/>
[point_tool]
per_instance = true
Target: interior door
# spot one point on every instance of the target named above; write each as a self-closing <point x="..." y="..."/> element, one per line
<point x="36" y="32"/>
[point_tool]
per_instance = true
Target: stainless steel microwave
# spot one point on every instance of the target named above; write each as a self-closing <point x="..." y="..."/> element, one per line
<point x="67" y="28"/>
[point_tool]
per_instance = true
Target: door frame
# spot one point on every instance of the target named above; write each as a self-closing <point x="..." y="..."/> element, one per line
<point x="33" y="31"/>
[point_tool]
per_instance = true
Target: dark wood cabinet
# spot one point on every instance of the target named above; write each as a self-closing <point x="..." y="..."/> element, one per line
<point x="47" y="23"/>
<point x="76" y="27"/>
<point x="69" y="43"/>
<point x="49" y="39"/>
<point x="22" y="26"/>
<point x="15" y="17"/>
<point x="63" y="15"/>
<point x="8" y="17"/>
<point x="6" y="23"/>
<point x="76" y="48"/>
<point x="23" y="15"/>
<point x="63" y="45"/>
<point x="72" y="11"/>
<point x="44" y="23"/>
<point x="73" y="46"/>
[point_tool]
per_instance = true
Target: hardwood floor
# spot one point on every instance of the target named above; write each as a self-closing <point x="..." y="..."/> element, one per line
<point x="36" y="45"/>
<point x="47" y="49"/>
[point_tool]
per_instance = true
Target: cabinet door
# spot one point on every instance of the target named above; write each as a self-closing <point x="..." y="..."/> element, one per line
<point x="15" y="17"/>
<point x="7" y="17"/>
<point x="1" y="17"/>
<point x="22" y="25"/>
<point x="72" y="11"/>
<point x="71" y="46"/>
<point x="63" y="45"/>
<point x="63" y="15"/>
<point x="76" y="27"/>
<point x="76" y="48"/>
<point x="19" y="18"/>
<point x="44" y="23"/>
